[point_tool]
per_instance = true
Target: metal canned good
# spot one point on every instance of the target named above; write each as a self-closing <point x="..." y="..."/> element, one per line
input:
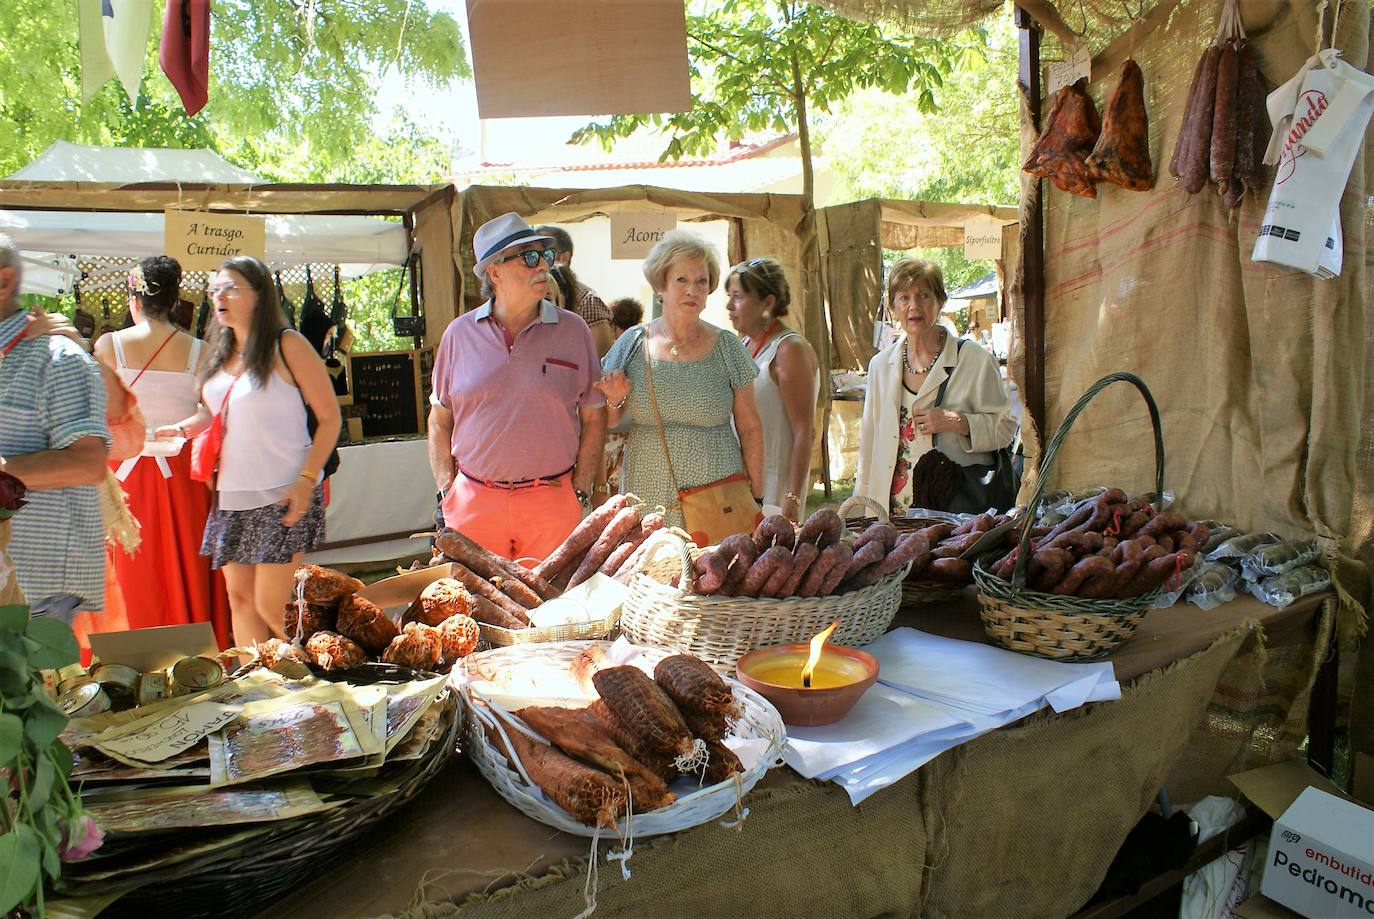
<point x="84" y="700"/>
<point x="50" y="681"/>
<point x="71" y="683"/>
<point x="192" y="674"/>
<point x="117" y="679"/>
<point x="152" y="686"/>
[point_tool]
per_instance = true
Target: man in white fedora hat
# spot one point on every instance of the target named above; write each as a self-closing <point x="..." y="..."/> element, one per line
<point x="517" y="424"/>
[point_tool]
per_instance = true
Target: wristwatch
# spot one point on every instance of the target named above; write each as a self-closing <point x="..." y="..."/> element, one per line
<point x="582" y="497"/>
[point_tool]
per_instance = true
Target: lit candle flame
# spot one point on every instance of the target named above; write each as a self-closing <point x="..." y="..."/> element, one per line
<point x="817" y="643"/>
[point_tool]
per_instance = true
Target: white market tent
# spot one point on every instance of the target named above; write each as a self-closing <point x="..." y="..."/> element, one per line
<point x="49" y="239"/>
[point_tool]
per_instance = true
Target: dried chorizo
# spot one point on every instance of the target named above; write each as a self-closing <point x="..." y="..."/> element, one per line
<point x="1091" y="566"/>
<point x="824" y="528"/>
<point x="775" y="530"/>
<point x="1223" y="146"/>
<point x="820" y="574"/>
<point x="581" y="539"/>
<point x="884" y="533"/>
<point x="951" y="570"/>
<point x="622" y="524"/>
<point x="803" y="558"/>
<point x="764" y="567"/>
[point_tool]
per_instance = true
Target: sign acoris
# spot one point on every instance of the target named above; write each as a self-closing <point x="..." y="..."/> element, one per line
<point x="634" y="233"/>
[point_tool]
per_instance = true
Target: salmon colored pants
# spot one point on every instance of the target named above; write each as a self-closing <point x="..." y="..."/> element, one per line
<point x="528" y="522"/>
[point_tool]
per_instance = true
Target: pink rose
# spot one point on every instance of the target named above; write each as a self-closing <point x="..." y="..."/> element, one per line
<point x="86" y="839"/>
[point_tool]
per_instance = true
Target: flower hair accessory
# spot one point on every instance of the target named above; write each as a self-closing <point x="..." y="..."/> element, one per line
<point x="138" y="284"/>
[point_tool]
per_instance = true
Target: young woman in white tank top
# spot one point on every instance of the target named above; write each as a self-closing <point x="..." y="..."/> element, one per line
<point x="165" y="581"/>
<point x="269" y="490"/>
<point x="787" y="384"/>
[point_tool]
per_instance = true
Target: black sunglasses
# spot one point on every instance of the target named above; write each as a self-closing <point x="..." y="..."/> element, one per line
<point x="531" y="257"/>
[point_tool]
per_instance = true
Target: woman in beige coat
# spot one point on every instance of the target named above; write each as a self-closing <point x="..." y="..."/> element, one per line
<point x="904" y="414"/>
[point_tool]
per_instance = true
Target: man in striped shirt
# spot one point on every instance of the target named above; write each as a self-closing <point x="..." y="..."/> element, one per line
<point x="54" y="437"/>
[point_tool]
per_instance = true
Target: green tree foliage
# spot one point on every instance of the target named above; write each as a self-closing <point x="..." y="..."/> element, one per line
<point x="768" y="65"/>
<point x="299" y="75"/>
<point x="962" y="149"/>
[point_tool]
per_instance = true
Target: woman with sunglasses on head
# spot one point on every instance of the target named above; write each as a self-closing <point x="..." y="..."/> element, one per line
<point x="269" y="493"/>
<point x="515" y="425"/>
<point x="787" y="384"/>
<point x="165" y="581"/>
<point x="702" y="379"/>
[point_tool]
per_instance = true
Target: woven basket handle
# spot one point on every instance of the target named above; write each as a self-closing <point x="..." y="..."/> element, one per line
<point x="854" y="501"/>
<point x="1018" y="576"/>
<point x="657" y="540"/>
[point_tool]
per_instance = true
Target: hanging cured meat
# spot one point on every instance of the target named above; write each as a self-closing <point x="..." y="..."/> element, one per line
<point x="1122" y="154"/>
<point x="1069" y="135"/>
<point x="1225" y="128"/>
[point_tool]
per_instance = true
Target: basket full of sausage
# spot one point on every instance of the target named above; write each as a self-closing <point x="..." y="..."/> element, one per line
<point x="1080" y="589"/>
<point x="782" y="583"/>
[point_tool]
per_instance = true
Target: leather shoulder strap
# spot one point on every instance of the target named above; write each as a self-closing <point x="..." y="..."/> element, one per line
<point x="658" y="419"/>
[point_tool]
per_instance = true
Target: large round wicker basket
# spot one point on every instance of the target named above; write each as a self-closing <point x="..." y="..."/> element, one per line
<point x="1064" y="628"/>
<point x="507" y="775"/>
<point x="662" y="612"/>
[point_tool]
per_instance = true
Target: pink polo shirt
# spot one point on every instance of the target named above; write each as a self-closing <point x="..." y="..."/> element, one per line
<point x="515" y="409"/>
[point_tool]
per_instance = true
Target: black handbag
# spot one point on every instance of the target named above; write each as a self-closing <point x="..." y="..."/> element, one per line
<point x="965" y="489"/>
<point x="312" y="424"/>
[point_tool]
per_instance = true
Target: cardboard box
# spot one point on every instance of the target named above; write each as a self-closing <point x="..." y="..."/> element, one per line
<point x="1321" y="857"/>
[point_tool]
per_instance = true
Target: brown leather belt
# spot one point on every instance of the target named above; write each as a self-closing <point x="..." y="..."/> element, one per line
<point x="522" y="483"/>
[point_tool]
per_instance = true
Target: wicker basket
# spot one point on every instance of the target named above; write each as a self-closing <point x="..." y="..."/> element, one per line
<point x="660" y="611"/>
<point x="915" y="590"/>
<point x="1049" y="625"/>
<point x="498" y="637"/>
<point x="215" y="884"/>
<point x="759" y="720"/>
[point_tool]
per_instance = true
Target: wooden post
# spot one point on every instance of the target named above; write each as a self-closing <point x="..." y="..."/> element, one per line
<point x="1033" y="242"/>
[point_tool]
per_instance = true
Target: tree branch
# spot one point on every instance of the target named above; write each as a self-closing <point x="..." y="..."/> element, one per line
<point x="726" y="54"/>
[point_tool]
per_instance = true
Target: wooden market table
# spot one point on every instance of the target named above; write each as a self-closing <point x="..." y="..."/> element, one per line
<point x="905" y="850"/>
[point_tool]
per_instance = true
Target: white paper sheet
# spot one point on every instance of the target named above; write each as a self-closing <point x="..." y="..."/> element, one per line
<point x="882" y="719"/>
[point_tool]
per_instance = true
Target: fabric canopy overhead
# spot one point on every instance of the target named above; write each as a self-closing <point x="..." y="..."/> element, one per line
<point x="760" y="224"/>
<point x="48" y="237"/>
<point x="64" y="162"/>
<point x="852" y="239"/>
<point x="358" y="244"/>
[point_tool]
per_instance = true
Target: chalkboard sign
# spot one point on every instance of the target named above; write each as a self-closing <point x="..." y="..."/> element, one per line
<point x="390" y="389"/>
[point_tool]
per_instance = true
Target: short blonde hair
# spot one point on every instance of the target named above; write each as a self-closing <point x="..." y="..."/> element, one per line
<point x="673" y="246"/>
<point x="909" y="272"/>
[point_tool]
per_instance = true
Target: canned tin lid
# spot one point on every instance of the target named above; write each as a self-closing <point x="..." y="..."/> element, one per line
<point x="197" y="672"/>
<point x="115" y="673"/>
<point x="78" y="697"/>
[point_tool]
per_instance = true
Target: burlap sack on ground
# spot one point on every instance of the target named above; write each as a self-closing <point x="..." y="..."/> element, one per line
<point x="1024" y="822"/>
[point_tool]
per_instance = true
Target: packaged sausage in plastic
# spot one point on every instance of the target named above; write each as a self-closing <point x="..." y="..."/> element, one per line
<point x="1217" y="533"/>
<point x="1276" y="558"/>
<point x="1237" y="546"/>
<point x="1283" y="589"/>
<point x="1214" y="583"/>
<point x="1185" y="581"/>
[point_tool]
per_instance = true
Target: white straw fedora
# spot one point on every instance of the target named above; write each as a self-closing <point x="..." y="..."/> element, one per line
<point x="498" y="234"/>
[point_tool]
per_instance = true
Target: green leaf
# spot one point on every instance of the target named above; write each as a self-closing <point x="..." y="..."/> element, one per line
<point x="41" y="789"/>
<point x="51" y="643"/>
<point x="44" y="722"/>
<point x="11" y="739"/>
<point x="52" y="863"/>
<point x="19" y="854"/>
<point x="62" y="756"/>
<point x="14" y="617"/>
<point x="14" y="662"/>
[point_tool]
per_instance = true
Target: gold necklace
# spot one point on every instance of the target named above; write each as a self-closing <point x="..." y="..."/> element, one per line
<point x="673" y="345"/>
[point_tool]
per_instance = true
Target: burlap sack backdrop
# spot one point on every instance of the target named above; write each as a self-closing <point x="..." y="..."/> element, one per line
<point x="1258" y="370"/>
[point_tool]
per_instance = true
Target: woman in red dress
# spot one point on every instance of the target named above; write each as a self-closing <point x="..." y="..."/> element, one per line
<point x="165" y="581"/>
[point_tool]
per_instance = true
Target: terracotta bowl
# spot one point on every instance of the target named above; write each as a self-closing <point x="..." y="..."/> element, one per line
<point x="803" y="706"/>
